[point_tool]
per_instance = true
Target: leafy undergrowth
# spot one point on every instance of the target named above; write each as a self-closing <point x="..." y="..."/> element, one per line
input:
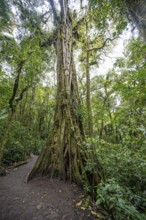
<point x="21" y="143"/>
<point x="122" y="190"/>
<point x="120" y="201"/>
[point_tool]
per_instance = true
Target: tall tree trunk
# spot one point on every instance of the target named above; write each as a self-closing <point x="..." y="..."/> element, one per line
<point x="137" y="10"/>
<point x="64" y="156"/>
<point x="88" y="99"/>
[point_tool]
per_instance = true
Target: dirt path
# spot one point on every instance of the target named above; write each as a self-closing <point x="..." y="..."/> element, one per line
<point x="40" y="199"/>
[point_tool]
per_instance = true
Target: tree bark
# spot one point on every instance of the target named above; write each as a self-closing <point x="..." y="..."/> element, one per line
<point x="137" y="10"/>
<point x="88" y="97"/>
<point x="64" y="157"/>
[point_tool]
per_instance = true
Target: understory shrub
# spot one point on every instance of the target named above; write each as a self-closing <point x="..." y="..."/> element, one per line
<point x="21" y="143"/>
<point x="36" y="145"/>
<point x="14" y="152"/>
<point x="119" y="201"/>
<point x="128" y="166"/>
<point x="122" y="190"/>
<point x="17" y="146"/>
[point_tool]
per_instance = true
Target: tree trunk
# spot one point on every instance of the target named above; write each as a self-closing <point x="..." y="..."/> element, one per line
<point x="137" y="10"/>
<point x="88" y="99"/>
<point x="64" y="157"/>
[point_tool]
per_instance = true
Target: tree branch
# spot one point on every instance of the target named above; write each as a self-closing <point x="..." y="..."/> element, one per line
<point x="5" y="37"/>
<point x="103" y="45"/>
<point x="44" y="20"/>
<point x="22" y="93"/>
<point x="56" y="18"/>
<point x="16" y="84"/>
<point x="43" y="15"/>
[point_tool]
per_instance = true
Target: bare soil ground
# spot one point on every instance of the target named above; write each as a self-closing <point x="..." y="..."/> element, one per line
<point x="40" y="199"/>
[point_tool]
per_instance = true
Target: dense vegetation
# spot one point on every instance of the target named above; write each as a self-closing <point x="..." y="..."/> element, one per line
<point x="96" y="133"/>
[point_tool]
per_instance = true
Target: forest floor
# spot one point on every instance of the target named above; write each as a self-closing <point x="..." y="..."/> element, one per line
<point x="41" y="198"/>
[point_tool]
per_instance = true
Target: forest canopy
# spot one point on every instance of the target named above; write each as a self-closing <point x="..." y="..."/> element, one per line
<point x="87" y="127"/>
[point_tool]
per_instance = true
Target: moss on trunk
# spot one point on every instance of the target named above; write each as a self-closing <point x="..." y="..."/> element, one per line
<point x="65" y="157"/>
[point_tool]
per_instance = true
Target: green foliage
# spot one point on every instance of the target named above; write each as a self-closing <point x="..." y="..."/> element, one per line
<point x="4" y="14"/>
<point x="119" y="149"/>
<point x="17" y="147"/>
<point x="119" y="200"/>
<point x="128" y="165"/>
<point x="5" y="92"/>
<point x="105" y="11"/>
<point x="123" y="178"/>
<point x="21" y="144"/>
<point x="14" y="152"/>
<point x="36" y="145"/>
